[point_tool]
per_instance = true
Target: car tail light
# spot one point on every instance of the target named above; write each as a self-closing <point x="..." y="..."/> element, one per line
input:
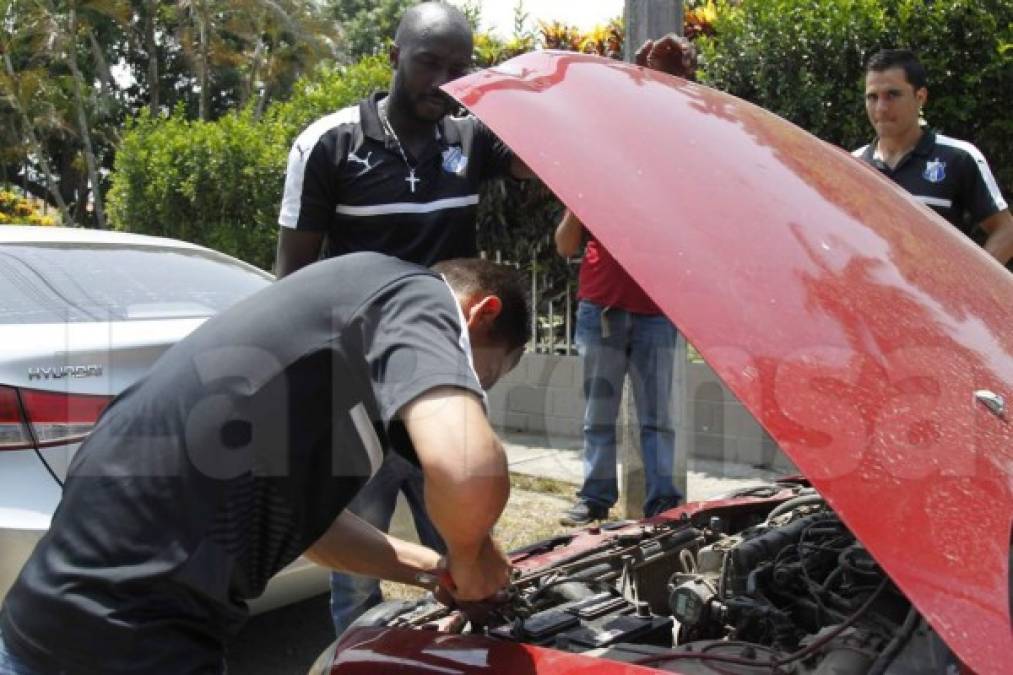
<point x="13" y="430"/>
<point x="50" y="418"/>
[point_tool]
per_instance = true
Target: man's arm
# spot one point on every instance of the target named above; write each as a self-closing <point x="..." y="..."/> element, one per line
<point x="310" y="196"/>
<point x="296" y="249"/>
<point x="569" y="235"/>
<point x="999" y="227"/>
<point x="466" y="485"/>
<point x="352" y="545"/>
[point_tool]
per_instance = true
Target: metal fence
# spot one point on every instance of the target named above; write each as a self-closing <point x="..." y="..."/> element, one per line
<point x="553" y="304"/>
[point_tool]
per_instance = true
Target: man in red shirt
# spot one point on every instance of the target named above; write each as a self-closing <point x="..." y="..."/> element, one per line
<point x="620" y="330"/>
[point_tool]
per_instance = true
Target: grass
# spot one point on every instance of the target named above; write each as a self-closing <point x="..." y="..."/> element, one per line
<point x="548" y="486"/>
<point x="532" y="514"/>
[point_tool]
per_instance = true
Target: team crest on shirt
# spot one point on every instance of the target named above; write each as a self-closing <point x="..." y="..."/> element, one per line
<point x="935" y="171"/>
<point x="454" y="160"/>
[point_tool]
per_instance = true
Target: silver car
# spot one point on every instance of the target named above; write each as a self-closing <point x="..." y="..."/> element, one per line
<point x="83" y="314"/>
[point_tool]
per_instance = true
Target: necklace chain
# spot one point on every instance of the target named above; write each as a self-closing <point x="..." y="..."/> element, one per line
<point x="389" y="130"/>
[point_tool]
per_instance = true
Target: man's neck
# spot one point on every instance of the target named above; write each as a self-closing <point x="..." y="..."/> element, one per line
<point x="410" y="129"/>
<point x="892" y="150"/>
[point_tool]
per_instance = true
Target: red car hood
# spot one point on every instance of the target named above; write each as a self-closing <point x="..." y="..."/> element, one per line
<point x="853" y="323"/>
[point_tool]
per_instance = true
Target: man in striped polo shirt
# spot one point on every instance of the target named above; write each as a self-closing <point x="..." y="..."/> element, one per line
<point x="949" y="176"/>
<point x="396" y="174"/>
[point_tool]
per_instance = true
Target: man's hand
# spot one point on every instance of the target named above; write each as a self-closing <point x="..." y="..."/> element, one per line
<point x="478" y="576"/>
<point x="672" y="54"/>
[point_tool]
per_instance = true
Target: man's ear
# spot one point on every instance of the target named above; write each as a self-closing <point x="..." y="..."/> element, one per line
<point x="394" y="55"/>
<point x="483" y="310"/>
<point x="922" y="94"/>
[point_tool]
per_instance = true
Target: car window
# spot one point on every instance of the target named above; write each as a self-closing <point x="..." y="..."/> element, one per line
<point x="79" y="283"/>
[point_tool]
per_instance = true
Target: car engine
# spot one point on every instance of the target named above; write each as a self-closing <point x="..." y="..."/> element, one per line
<point x="774" y="583"/>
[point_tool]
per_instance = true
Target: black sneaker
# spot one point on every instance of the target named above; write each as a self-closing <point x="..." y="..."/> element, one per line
<point x="662" y="505"/>
<point x="583" y="513"/>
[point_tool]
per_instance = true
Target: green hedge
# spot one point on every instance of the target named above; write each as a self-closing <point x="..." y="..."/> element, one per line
<point x="213" y="183"/>
<point x="804" y="61"/>
<point x="220" y="183"/>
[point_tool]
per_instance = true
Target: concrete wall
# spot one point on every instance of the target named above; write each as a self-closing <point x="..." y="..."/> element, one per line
<point x="543" y="396"/>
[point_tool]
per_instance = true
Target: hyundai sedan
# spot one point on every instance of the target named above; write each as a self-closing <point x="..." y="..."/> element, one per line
<point x="83" y="313"/>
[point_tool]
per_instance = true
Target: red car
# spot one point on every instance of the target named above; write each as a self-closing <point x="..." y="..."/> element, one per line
<point x="869" y="338"/>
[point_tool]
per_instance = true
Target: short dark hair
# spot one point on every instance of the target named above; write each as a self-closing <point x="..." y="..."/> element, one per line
<point x="885" y="59"/>
<point x="474" y="275"/>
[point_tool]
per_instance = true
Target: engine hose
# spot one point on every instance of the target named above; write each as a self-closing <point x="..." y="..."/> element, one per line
<point x="893" y="647"/>
<point x="831" y="578"/>
<point x="794" y="504"/>
<point x="766" y="546"/>
<point x="688" y="561"/>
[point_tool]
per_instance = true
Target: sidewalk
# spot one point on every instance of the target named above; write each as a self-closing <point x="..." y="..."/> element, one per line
<point x="526" y="454"/>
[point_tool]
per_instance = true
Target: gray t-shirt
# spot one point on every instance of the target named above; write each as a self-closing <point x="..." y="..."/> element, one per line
<point x="228" y="460"/>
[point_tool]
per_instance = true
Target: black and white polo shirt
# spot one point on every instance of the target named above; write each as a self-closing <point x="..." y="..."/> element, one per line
<point x="950" y="176"/>
<point x="347" y="178"/>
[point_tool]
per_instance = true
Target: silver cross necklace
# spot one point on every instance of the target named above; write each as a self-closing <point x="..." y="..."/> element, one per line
<point x="389" y="130"/>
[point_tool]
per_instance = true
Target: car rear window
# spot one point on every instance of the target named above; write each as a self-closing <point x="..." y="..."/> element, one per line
<point x="78" y="283"/>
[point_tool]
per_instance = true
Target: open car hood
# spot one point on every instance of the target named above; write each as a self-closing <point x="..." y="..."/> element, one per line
<point x="863" y="332"/>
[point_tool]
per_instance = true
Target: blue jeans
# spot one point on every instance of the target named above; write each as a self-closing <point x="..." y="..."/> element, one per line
<point x="351" y="594"/>
<point x="612" y="343"/>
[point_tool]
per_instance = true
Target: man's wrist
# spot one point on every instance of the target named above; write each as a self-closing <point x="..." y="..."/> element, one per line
<point x="415" y="559"/>
<point x="466" y="551"/>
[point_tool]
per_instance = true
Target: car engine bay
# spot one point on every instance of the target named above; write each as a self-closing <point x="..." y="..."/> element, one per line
<point x="768" y="580"/>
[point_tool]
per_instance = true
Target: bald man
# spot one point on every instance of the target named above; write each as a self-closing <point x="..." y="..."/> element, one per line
<point x="396" y="174"/>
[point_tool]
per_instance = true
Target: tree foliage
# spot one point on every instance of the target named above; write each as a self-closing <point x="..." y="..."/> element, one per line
<point x="805" y="62"/>
<point x="219" y="183"/>
<point x="367" y="26"/>
<point x="74" y="70"/>
<point x="213" y="183"/>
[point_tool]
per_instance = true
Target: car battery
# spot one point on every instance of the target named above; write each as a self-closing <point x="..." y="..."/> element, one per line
<point x="613" y="629"/>
<point x="538" y="628"/>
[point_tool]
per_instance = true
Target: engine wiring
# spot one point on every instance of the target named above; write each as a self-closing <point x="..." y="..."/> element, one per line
<point x="838" y="629"/>
<point x="655" y="659"/>
<point x="897" y="643"/>
<point x="776" y="665"/>
<point x="768" y="597"/>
